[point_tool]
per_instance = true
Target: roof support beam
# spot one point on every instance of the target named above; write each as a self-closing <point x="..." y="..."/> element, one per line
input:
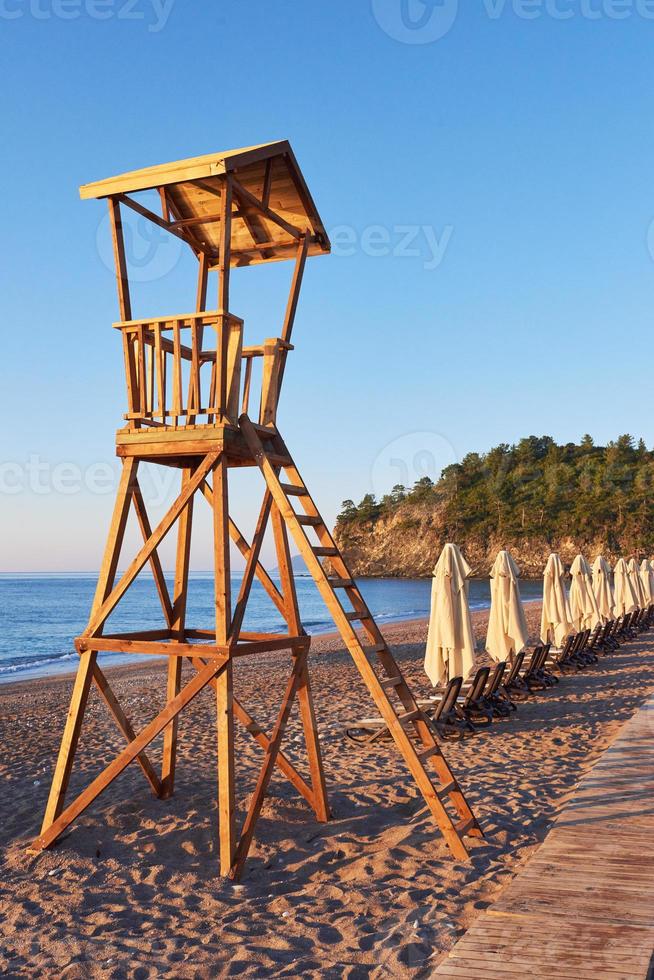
<point x="122" y="281"/>
<point x="165" y="209"/>
<point x="248" y="204"/>
<point x="267" y="184"/>
<point x="203" y="219"/>
<point x="291" y="307"/>
<point x="248" y="200"/>
<point x="166" y="225"/>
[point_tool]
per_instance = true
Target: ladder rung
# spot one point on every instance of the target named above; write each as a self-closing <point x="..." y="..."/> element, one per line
<point x="340" y="583"/>
<point x="428" y="753"/>
<point x="445" y="788"/>
<point x="309" y="521"/>
<point x="352" y="617"/>
<point x="410" y="716"/>
<point x="326" y="552"/>
<point x="465" y="825"/>
<point x="377" y="648"/>
<point x="292" y="491"/>
<point x="392" y="681"/>
<point x="275" y="460"/>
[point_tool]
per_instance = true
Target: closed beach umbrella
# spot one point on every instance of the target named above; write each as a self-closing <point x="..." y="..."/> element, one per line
<point x="647" y="580"/>
<point x="603" y="588"/>
<point x="625" y="599"/>
<point x="450" y="642"/>
<point x="634" y="575"/>
<point x="556" y="620"/>
<point x="583" y="604"/>
<point x="507" y="626"/>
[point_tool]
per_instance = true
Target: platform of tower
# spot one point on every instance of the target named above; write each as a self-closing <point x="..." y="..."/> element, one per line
<point x="200" y="400"/>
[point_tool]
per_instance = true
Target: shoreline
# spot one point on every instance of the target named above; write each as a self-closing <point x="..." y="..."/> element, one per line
<point x="330" y="638"/>
<point x="329" y="642"/>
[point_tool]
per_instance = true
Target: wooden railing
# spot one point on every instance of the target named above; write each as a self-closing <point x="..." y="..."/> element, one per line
<point x="193" y="369"/>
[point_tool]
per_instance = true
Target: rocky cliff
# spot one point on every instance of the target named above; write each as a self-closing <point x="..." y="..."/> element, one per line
<point x="407" y="542"/>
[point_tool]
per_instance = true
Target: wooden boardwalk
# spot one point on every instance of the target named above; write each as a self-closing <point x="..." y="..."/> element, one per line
<point x="583" y="907"/>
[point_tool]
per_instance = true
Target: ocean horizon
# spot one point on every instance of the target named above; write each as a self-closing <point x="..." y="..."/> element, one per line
<point x="41" y="613"/>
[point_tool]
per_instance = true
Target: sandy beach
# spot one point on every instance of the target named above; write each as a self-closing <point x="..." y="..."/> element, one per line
<point x="132" y="890"/>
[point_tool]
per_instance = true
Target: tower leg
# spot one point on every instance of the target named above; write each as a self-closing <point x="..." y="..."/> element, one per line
<point x="87" y="664"/>
<point x="305" y="700"/>
<point x="226" y="796"/>
<point x="69" y="739"/>
<point x="178" y="624"/>
<point x="224" y="692"/>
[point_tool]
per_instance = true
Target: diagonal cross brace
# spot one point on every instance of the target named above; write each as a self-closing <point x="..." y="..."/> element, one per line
<point x="265" y="775"/>
<point x="251" y="566"/>
<point x="133" y="750"/>
<point x="125" y="726"/>
<point x="245" y="550"/>
<point x="257" y="733"/>
<point x="241" y="714"/>
<point x="162" y="529"/>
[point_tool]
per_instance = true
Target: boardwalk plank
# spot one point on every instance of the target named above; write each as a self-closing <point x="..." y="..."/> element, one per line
<point x="581" y="908"/>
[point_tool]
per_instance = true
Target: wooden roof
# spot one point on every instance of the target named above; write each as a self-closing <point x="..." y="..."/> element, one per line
<point x="193" y="189"/>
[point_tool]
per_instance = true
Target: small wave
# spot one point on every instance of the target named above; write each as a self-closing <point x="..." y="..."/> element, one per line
<point x="400" y="613"/>
<point x="34" y="662"/>
<point x="321" y="624"/>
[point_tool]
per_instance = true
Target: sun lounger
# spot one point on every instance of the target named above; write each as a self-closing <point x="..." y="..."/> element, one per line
<point x="561" y="659"/>
<point x="495" y="697"/>
<point x="626" y="631"/>
<point x="616" y="637"/>
<point x="530" y="676"/>
<point x="640" y="622"/>
<point x="445" y="716"/>
<point x="592" y="646"/>
<point x="581" y="657"/>
<point x="367" y="731"/>
<point x="472" y="706"/>
<point x="537" y="677"/>
<point x="514" y="685"/>
<point x="607" y="641"/>
<point x="442" y="712"/>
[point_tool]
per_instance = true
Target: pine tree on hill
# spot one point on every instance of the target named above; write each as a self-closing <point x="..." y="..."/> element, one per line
<point x="534" y="488"/>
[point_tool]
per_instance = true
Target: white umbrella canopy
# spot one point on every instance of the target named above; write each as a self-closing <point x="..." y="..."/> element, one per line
<point x="450" y="642"/>
<point x="634" y="575"/>
<point x="647" y="580"/>
<point x="583" y="604"/>
<point x="507" y="627"/>
<point x="625" y="599"/>
<point x="603" y="587"/>
<point x="556" y="619"/>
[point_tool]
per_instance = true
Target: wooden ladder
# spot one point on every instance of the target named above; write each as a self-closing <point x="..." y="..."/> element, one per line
<point x="404" y="712"/>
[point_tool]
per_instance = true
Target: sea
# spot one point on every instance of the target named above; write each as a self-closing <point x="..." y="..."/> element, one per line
<point x="41" y="614"/>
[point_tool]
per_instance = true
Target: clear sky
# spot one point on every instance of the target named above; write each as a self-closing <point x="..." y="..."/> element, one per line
<point x="485" y="171"/>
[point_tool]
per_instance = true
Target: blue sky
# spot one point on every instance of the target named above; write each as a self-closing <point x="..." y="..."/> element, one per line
<point x="489" y="192"/>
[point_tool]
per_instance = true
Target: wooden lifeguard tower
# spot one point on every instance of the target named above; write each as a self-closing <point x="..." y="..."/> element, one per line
<point x="189" y="385"/>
